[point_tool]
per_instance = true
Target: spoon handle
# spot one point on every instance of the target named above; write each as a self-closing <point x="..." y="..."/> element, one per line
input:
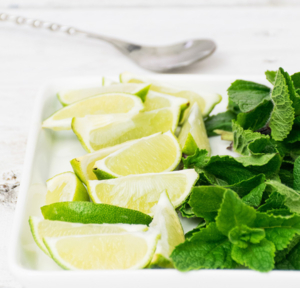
<point x="54" y="27"/>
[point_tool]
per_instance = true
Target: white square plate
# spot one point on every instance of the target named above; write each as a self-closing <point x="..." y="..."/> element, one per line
<point x="48" y="153"/>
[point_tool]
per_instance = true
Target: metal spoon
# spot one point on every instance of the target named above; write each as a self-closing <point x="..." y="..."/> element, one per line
<point x="159" y="59"/>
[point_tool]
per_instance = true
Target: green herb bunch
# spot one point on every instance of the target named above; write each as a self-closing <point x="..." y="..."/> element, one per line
<point x="249" y="206"/>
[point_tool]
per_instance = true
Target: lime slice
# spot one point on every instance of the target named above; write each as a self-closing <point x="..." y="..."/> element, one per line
<point x="97" y="132"/>
<point x="142" y="192"/>
<point x="167" y="222"/>
<point x="109" y="103"/>
<point x="68" y="97"/>
<point x="91" y="213"/>
<point x="154" y="154"/>
<point x="193" y="133"/>
<point x="65" y="187"/>
<point x="83" y="166"/>
<point x="155" y="100"/>
<point x="206" y="104"/>
<point x="104" y="251"/>
<point x="41" y="228"/>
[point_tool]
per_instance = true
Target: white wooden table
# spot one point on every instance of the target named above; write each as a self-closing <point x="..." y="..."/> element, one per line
<point x="250" y="39"/>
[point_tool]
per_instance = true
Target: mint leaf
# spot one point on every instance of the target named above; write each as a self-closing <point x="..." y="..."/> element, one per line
<point x="246" y="186"/>
<point x="242" y="138"/>
<point x="233" y="212"/>
<point x="294" y="136"/>
<point x="221" y="121"/>
<point x="271" y="75"/>
<point x="248" y="95"/>
<point x="296" y="174"/>
<point x="292" y="260"/>
<point x="257" y="118"/>
<point x="280" y="212"/>
<point x="206" y="200"/>
<point x="234" y="170"/>
<point x="207" y="248"/>
<point x="286" y="177"/>
<point x="267" y="164"/>
<point x="258" y="256"/>
<point x="255" y="196"/>
<point x="296" y="80"/>
<point x="233" y="107"/>
<point x="280" y="255"/>
<point x="186" y="210"/>
<point x="282" y="117"/>
<point x="196" y="161"/>
<point x="243" y="235"/>
<point x="280" y="230"/>
<point x="275" y="201"/>
<point x="291" y="197"/>
<point x="190" y="233"/>
<point x="295" y="98"/>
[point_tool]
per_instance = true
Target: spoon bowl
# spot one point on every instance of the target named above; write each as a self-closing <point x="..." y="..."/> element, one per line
<point x="167" y="58"/>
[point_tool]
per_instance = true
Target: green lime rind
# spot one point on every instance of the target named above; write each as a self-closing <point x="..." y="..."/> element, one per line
<point x="76" y="165"/>
<point x="102" y="175"/>
<point x="183" y="108"/>
<point x="53" y="256"/>
<point x="35" y="236"/>
<point x="81" y="193"/>
<point x="60" y="100"/>
<point x="213" y="105"/>
<point x="91" y="213"/>
<point x="159" y="261"/>
<point x="82" y="142"/>
<point x="190" y="146"/>
<point x="143" y="92"/>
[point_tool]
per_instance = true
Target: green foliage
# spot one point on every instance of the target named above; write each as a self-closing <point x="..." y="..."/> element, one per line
<point x="248" y="95"/>
<point x="282" y="117"/>
<point x="257" y="118"/>
<point x="233" y="212"/>
<point x="207" y="248"/>
<point x="271" y="75"/>
<point x="243" y="235"/>
<point x="258" y="256"/>
<point x="221" y="121"/>
<point x="296" y="174"/>
<point x="206" y="200"/>
<point x="255" y="196"/>
<point x="249" y="206"/>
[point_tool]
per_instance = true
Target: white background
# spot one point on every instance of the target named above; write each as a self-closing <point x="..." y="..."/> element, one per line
<point x="252" y="36"/>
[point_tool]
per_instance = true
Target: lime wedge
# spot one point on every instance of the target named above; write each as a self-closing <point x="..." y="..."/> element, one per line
<point x="65" y="187"/>
<point x="167" y="222"/>
<point x="91" y="213"/>
<point x="83" y="166"/>
<point x="193" y="133"/>
<point x="68" y="97"/>
<point x="206" y="104"/>
<point x="141" y="192"/>
<point x="97" y="132"/>
<point x="109" y="103"/>
<point x="104" y="251"/>
<point x="41" y="228"/>
<point x="154" y="154"/>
